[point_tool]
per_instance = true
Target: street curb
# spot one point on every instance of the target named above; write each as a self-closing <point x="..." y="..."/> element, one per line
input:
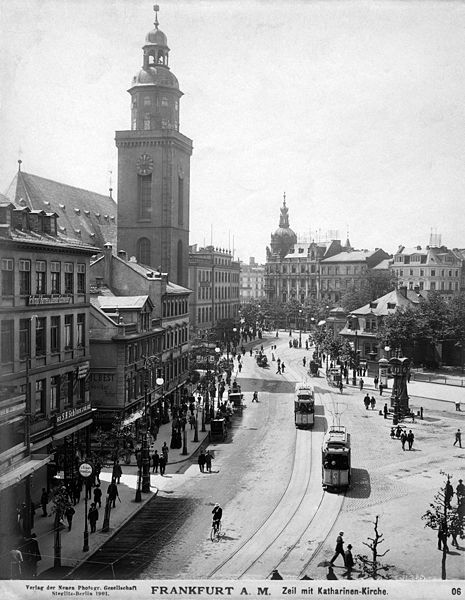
<point x="116" y="530"/>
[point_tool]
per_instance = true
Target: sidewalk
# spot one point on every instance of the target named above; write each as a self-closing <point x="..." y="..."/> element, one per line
<point x="72" y="541"/>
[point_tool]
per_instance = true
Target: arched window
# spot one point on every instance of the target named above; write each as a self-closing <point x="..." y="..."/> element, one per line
<point x="143" y="251"/>
<point x="144" y="194"/>
<point x="180" y="264"/>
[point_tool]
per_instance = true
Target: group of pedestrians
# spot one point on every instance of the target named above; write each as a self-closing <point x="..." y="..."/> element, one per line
<point x="367" y="401"/>
<point x="281" y="366"/>
<point x="403" y="436"/>
<point x="159" y="461"/>
<point x="205" y="461"/>
<point x="346" y="555"/>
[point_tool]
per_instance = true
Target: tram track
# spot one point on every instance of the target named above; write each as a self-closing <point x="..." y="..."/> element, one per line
<point x="287" y="537"/>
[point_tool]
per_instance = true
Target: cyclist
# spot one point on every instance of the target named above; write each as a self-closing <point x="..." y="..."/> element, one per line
<point x="217" y="513"/>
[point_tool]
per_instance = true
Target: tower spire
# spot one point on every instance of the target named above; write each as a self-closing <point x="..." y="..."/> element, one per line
<point x="156" y="8"/>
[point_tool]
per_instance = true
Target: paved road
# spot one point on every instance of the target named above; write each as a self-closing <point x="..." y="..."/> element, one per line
<point x="267" y="478"/>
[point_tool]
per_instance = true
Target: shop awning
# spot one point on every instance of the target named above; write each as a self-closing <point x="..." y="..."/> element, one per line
<point x="136" y="415"/>
<point x="15" y="475"/>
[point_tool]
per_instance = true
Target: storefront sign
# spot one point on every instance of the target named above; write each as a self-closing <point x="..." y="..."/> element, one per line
<point x="72" y="413"/>
<point x="85" y="469"/>
<point x="48" y="299"/>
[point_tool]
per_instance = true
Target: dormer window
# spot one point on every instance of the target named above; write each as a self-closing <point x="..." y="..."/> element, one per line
<point x="391" y="305"/>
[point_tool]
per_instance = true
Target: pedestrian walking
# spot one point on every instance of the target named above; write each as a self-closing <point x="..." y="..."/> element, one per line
<point x="381" y="388"/>
<point x="460" y="491"/>
<point x="77" y="486"/>
<point x="201" y="461"/>
<point x="255" y="397"/>
<point x="372" y="403"/>
<point x="410" y="438"/>
<point x="97" y="469"/>
<point x="208" y="461"/>
<point x="349" y="561"/>
<point x="69" y="514"/>
<point x="162" y="464"/>
<point x="240" y="367"/>
<point x="16" y="563"/>
<point x="341" y="387"/>
<point x="283" y="366"/>
<point x="92" y="517"/>
<point x="393" y="433"/>
<point x="155" y="461"/>
<point x="117" y="472"/>
<point x="112" y="493"/>
<point x="165" y="451"/>
<point x="339" y="550"/>
<point x="398" y="431"/>
<point x="88" y="486"/>
<point x="304" y="361"/>
<point x="375" y="381"/>
<point x="31" y="556"/>
<point x="98" y="495"/>
<point x="403" y="439"/>
<point x="361" y="384"/>
<point x="366" y="401"/>
<point x="385" y="410"/>
<point x="278" y="372"/>
<point x="44" y="502"/>
<point x="448" y="493"/>
<point x="458" y="438"/>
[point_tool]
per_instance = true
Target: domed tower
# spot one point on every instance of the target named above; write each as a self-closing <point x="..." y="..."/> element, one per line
<point x="154" y="167"/>
<point x="283" y="238"/>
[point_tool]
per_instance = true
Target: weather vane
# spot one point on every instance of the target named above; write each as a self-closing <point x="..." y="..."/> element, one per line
<point x="156" y="8"/>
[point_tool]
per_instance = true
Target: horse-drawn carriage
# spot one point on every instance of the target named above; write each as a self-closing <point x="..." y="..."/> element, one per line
<point x="262" y="360"/>
<point x="334" y="376"/>
<point x="313" y="367"/>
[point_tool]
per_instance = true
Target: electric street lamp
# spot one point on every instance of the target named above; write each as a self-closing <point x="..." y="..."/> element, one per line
<point x="196" y="430"/>
<point x="300" y="328"/>
<point x="145" y="447"/>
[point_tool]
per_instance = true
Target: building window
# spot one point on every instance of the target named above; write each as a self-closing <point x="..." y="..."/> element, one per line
<point x="69" y="278"/>
<point x="433" y="273"/>
<point x="180" y="201"/>
<point x="432" y="285"/>
<point x="55" y="273"/>
<point x="143" y="251"/>
<point x="6" y="343"/>
<point x="41" y="277"/>
<point x="68" y="331"/>
<point x="40" y="397"/>
<point x="55" y="393"/>
<point x="81" y="278"/>
<point x="147" y="101"/>
<point x="24" y="277"/>
<point x="147" y="122"/>
<point x="164" y="101"/>
<point x="24" y="338"/>
<point x="55" y="334"/>
<point x="81" y="322"/>
<point x="7" y="277"/>
<point x="144" y="183"/>
<point x="41" y="337"/>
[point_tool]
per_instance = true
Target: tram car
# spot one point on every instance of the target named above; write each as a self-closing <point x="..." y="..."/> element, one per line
<point x="335" y="458"/>
<point x="304" y="406"/>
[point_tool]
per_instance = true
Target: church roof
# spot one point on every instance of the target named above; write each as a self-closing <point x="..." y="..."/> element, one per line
<point x="84" y="215"/>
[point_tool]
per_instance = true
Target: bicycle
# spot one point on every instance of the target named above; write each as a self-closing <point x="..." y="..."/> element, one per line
<point x="215" y="532"/>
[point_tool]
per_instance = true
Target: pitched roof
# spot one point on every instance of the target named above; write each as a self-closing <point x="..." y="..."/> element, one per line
<point x="394" y="299"/>
<point x="83" y="215"/>
<point x="120" y="302"/>
<point x="351" y="256"/>
<point x="383" y="265"/>
<point x="46" y="240"/>
<point x="174" y="288"/>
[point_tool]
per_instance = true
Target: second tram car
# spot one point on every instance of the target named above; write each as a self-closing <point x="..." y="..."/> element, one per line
<point x="304" y="406"/>
<point x="336" y="458"/>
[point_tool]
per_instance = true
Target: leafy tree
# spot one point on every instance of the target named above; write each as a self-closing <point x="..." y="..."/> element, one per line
<point x="445" y="518"/>
<point x="399" y="329"/>
<point x="433" y="318"/>
<point x="371" y="567"/>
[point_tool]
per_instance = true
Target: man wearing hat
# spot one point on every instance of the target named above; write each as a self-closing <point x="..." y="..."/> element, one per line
<point x="349" y="561"/>
<point x="339" y="547"/>
<point x="217" y="513"/>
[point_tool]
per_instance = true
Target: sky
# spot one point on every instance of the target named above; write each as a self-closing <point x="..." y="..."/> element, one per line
<point x="354" y="109"/>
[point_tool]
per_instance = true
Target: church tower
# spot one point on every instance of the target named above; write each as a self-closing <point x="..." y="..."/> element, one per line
<point x="154" y="167"/>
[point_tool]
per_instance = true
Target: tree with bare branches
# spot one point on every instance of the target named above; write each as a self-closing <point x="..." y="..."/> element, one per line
<point x="371" y="567"/>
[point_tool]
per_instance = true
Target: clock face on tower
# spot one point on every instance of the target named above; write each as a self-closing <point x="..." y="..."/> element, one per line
<point x="144" y="164"/>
